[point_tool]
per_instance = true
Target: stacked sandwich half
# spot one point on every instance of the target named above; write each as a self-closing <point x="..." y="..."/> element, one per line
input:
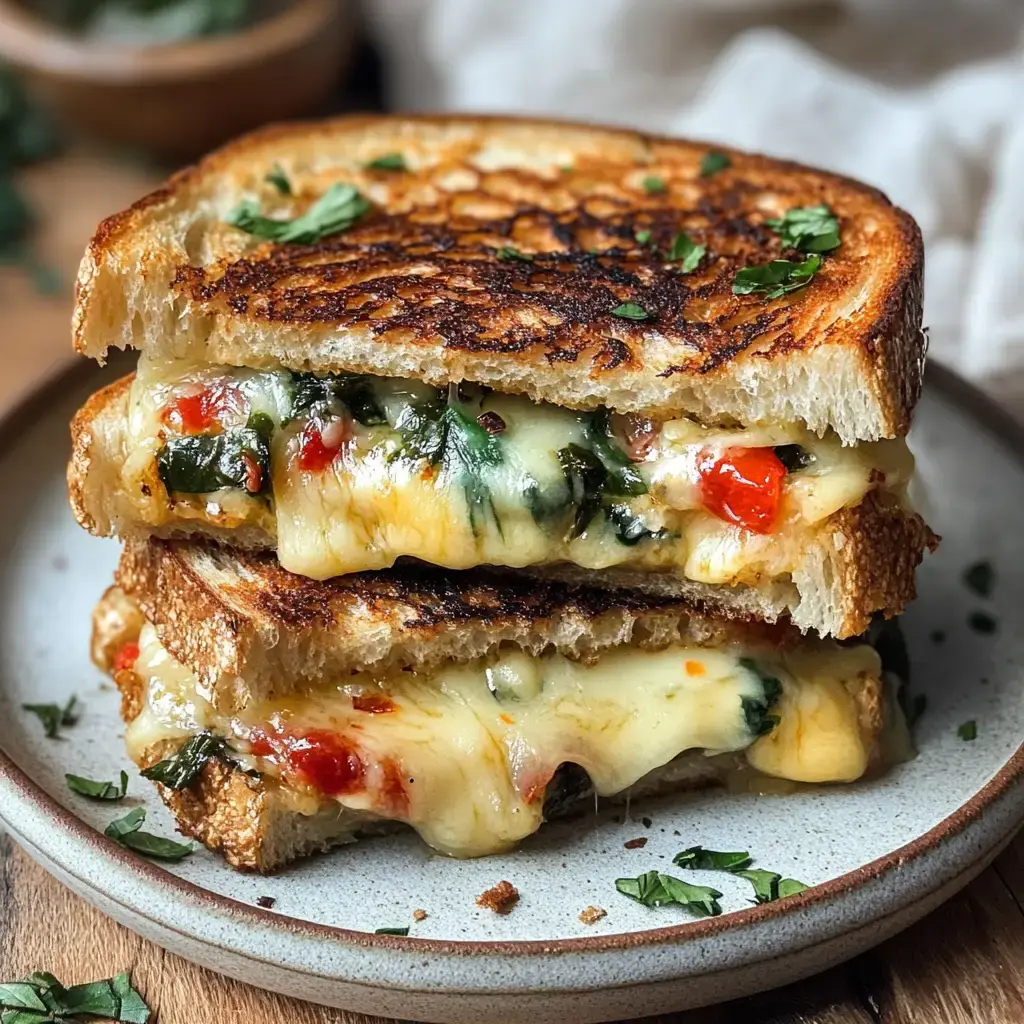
<point x="473" y="467"/>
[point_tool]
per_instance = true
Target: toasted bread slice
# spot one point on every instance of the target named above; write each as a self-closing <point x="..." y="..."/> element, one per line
<point x="255" y="823"/>
<point x="861" y="562"/>
<point x="424" y="285"/>
<point x="251" y="631"/>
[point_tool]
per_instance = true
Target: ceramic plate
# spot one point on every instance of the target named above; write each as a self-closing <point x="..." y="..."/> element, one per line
<point x="879" y="855"/>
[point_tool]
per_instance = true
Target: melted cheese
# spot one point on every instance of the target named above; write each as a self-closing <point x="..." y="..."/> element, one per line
<point x="473" y="747"/>
<point x="372" y="506"/>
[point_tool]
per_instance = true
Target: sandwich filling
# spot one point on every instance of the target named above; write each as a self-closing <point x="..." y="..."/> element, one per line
<point x="351" y="472"/>
<point x="466" y="754"/>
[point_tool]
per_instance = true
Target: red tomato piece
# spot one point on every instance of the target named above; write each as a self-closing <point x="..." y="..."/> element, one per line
<point x="198" y="413"/>
<point x="743" y="486"/>
<point x="326" y="761"/>
<point x="126" y="657"/>
<point x="319" y="446"/>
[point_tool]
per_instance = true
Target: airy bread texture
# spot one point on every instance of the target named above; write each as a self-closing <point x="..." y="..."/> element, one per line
<point x="423" y="286"/>
<point x="251" y="631"/>
<point x="862" y="560"/>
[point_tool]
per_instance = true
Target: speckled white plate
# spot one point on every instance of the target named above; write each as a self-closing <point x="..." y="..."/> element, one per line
<point x="879" y="854"/>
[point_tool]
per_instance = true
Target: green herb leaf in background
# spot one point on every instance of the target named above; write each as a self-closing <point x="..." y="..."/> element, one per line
<point x="807" y="229"/>
<point x="968" y="730"/>
<point x="186" y="764"/>
<point x="654" y="185"/>
<point x="98" y="790"/>
<point x="41" y="999"/>
<point x="776" y="278"/>
<point x="334" y="212"/>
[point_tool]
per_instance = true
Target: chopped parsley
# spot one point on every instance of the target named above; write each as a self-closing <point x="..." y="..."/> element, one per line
<point x="125" y="832"/>
<point x="654" y="889"/>
<point x="714" y="161"/>
<point x="643" y="237"/>
<point x="630" y="311"/>
<point x="335" y="211"/>
<point x="653" y="184"/>
<point x="279" y="180"/>
<point x="98" y="790"/>
<point x="41" y="999"/>
<point x="391" y="931"/>
<point x="687" y="251"/>
<point x="980" y="578"/>
<point x="769" y="886"/>
<point x="807" y="229"/>
<point x="186" y="764"/>
<point x="967" y="730"/>
<point x="509" y="254"/>
<point x="388" y="162"/>
<point x="53" y="716"/>
<point x="699" y="859"/>
<point x="776" y="278"/>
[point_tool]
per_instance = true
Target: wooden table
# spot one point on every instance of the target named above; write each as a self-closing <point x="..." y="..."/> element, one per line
<point x="962" y="965"/>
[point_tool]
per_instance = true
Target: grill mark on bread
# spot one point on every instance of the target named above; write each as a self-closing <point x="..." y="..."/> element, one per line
<point x="403" y="278"/>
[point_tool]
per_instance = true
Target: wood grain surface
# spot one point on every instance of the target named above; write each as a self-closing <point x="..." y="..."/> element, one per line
<point x="964" y="964"/>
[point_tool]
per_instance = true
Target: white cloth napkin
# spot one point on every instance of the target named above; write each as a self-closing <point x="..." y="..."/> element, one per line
<point x="924" y="117"/>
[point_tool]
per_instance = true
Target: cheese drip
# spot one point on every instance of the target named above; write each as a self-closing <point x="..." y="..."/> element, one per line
<point x="464" y="754"/>
<point x="375" y="503"/>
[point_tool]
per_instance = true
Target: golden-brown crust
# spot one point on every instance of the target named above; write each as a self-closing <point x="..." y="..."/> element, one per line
<point x="429" y="614"/>
<point x="82" y="442"/>
<point x="421" y="271"/>
<point x="882" y="546"/>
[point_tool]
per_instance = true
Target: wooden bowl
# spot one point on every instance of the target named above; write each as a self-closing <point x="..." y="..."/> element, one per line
<point x="180" y="99"/>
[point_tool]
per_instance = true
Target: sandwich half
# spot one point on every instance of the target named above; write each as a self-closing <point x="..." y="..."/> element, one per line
<point x="573" y="350"/>
<point x="280" y="715"/>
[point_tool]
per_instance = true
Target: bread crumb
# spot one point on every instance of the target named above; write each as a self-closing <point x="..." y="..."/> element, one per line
<point x="592" y="915"/>
<point x="501" y="899"/>
<point x="636" y="844"/>
<point x="419" y="915"/>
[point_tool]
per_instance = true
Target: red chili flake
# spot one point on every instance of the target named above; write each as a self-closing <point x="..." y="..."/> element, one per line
<point x="126" y="657"/>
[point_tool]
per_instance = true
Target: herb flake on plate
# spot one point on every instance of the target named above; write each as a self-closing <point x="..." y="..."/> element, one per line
<point x="125" y="832"/>
<point x="53" y="716"/>
<point x="98" y="790"/>
<point x="968" y="730"/>
<point x="655" y="889"/>
<point x="980" y="578"/>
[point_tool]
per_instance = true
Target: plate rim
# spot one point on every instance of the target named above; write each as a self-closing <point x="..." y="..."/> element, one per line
<point x="31" y="406"/>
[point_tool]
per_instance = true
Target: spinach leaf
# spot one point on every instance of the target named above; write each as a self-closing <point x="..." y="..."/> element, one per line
<point x="793" y="457"/>
<point x="125" y="831"/>
<point x="355" y="391"/>
<point x="98" y="790"/>
<point x="202" y="463"/>
<point x="622" y="476"/>
<point x="585" y="476"/>
<point x="699" y="859"/>
<point x="654" y="889"/>
<point x="756" y="711"/>
<point x="630" y="529"/>
<point x="185" y="765"/>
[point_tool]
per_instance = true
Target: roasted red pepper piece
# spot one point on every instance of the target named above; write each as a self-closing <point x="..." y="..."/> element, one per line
<point x="743" y="486"/>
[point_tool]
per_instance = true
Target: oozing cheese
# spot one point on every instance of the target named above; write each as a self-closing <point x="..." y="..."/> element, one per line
<point x="374" y="503"/>
<point x="464" y="754"/>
